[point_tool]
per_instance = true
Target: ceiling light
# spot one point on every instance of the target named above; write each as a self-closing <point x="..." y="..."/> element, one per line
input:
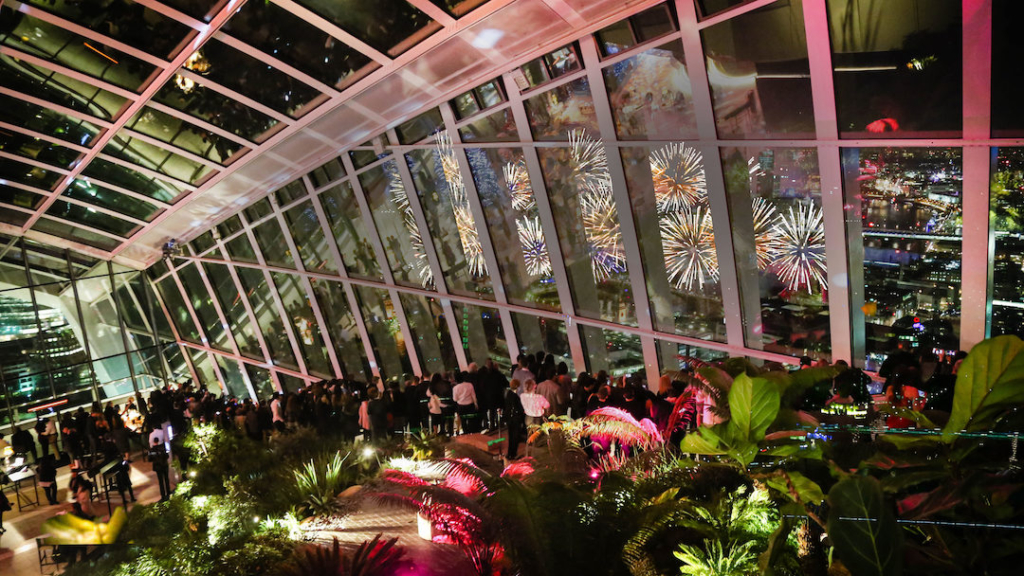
<point x="487" y="38"/>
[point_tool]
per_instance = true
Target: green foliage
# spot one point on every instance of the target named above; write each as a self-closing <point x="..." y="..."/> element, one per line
<point x="372" y="558"/>
<point x="863" y="529"/>
<point x="713" y="559"/>
<point x="990" y="381"/>
<point x="320" y="481"/>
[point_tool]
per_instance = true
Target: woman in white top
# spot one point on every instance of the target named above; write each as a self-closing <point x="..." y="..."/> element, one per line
<point x="534" y="404"/>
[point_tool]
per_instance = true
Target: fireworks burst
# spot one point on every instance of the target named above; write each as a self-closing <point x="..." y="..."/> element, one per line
<point x="535" y="250"/>
<point x="800" y="254"/>
<point x="765" y="235"/>
<point x="518" y="182"/>
<point x="588" y="160"/>
<point x="464" y="221"/>
<point x="400" y="198"/>
<point x="601" y="226"/>
<point x="688" y="240"/>
<point x="678" y="174"/>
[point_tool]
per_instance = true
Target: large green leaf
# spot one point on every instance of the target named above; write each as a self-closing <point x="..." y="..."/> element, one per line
<point x="797" y="383"/>
<point x="702" y="441"/>
<point x="863" y="529"/>
<point x="753" y="405"/>
<point x="796" y="487"/>
<point x="989" y="380"/>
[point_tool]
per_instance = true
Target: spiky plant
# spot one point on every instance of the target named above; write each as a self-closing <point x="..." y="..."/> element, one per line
<point x="318" y="483"/>
<point x="376" y="558"/>
<point x="714" y="559"/>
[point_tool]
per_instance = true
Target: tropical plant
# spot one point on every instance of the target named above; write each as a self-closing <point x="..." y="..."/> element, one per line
<point x="373" y="558"/>
<point x="713" y="559"/>
<point x="320" y="481"/>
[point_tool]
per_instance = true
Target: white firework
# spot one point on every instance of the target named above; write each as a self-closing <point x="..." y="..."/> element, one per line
<point x="588" y="160"/>
<point x="518" y="182"/>
<point x="799" y="258"/>
<point x="464" y="221"/>
<point x="604" y="237"/>
<point x="765" y="235"/>
<point x="688" y="244"/>
<point x="400" y="199"/>
<point x="678" y="173"/>
<point x="535" y="249"/>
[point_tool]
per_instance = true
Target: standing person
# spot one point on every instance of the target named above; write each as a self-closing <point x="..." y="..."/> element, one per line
<point x="522" y="372"/>
<point x="120" y="435"/>
<point x="22" y="443"/>
<point x="158" y="457"/>
<point x="277" y="412"/>
<point x="52" y="437"/>
<point x="492" y="394"/>
<point x="377" y="412"/>
<point x="552" y="392"/>
<point x="47" y="474"/>
<point x="534" y="405"/>
<point x="124" y="481"/>
<point x="515" y="419"/>
<point x="466" y="403"/>
<point x="44" y="442"/>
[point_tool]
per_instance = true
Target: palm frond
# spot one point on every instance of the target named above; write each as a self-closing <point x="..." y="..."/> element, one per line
<point x="376" y="558"/>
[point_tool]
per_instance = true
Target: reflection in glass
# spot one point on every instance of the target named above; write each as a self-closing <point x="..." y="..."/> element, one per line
<point x="897" y="70"/>
<point x="12" y="171"/>
<point x="176" y="309"/>
<point x="911" y="225"/>
<point x="668" y="196"/>
<point x="1008" y="68"/>
<point x="613" y="352"/>
<point x="45" y="84"/>
<point x="272" y="243"/>
<point x="309" y="238"/>
<point x="390" y="26"/>
<point x="262" y="383"/>
<point x="234" y="381"/>
<point x="47" y="121"/>
<point x="674" y="357"/>
<point x="543" y="334"/>
<point x="203" y="366"/>
<point x="651" y="96"/>
<point x="87" y="237"/>
<point x="93" y="193"/>
<point x="513" y="222"/>
<point x="240" y="250"/>
<point x="307" y="331"/>
<point x="384" y="331"/>
<point x="184" y="135"/>
<point x="497" y="127"/>
<point x="218" y="110"/>
<point x="129" y="179"/>
<point x="779" y="237"/>
<point x="146" y="155"/>
<point x="483" y="336"/>
<point x="442" y="193"/>
<point x="396" y="225"/>
<point x="346" y="220"/>
<point x="231" y="304"/>
<point x="38" y="150"/>
<point x="342" y="328"/>
<point x="89" y="217"/>
<point x="1007" y="223"/>
<point x="579" y="189"/>
<point x="759" y="74"/>
<point x="562" y="109"/>
<point x="267" y="316"/>
<point x="215" y="332"/>
<point x="429" y="332"/>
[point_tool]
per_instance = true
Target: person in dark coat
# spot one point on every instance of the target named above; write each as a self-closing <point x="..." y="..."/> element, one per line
<point x="158" y="457"/>
<point x="378" y="411"/>
<point x="516" y="420"/>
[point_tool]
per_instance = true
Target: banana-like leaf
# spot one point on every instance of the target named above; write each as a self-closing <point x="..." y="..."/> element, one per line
<point x="863" y="529"/>
<point x="989" y="380"/>
<point x="753" y="405"/>
<point x="702" y="441"/>
<point x="796" y="487"/>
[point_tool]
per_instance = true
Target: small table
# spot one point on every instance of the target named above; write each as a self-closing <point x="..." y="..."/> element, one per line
<point x="25" y="500"/>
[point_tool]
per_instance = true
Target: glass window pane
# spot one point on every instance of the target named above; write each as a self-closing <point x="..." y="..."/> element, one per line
<point x="674" y="357"/>
<point x="759" y="74"/>
<point x="543" y="334"/>
<point x="258" y="210"/>
<point x="513" y="222"/>
<point x="87" y="237"/>
<point x="329" y="172"/>
<point x="562" y="61"/>
<point x="650" y="95"/>
<point x="396" y="225"/>
<point x="201" y="303"/>
<point x="240" y="250"/>
<point x="457" y="8"/>
<point x="910" y="226"/>
<point x="268" y="317"/>
<point x="278" y="32"/>
<point x="615" y="353"/>
<point x="390" y="26"/>
<point x="442" y="194"/>
<point x="898" y="68"/>
<point x="185" y="135"/>
<point x="233" y="379"/>
<point x="204" y="371"/>
<point x="290" y="192"/>
<point x="19" y="197"/>
<point x="483" y="337"/>
<point x="217" y="109"/>
<point x="346" y="220"/>
<point x="1007" y="220"/>
<point x="556" y="112"/>
<point x="89" y="217"/>
<point x="55" y="87"/>
<point x="49" y="42"/>
<point x="248" y="76"/>
<point x="430" y="333"/>
<point x="1008" y="60"/>
<point x="490" y="94"/>
<point x="231" y="304"/>
<point x="667" y="192"/>
<point x="653" y="22"/>
<point x="203" y="242"/>
<point x="262" y="383"/>
<point x="146" y="155"/>
<point x="93" y="193"/>
<point x="497" y="127"/>
<point x="273" y="245"/>
<point x="34" y="176"/>
<point x="709" y="7"/>
<point x="385" y="332"/>
<point x="615" y="38"/>
<point x="129" y="179"/>
<point x="229" y="226"/>
<point x="587" y="219"/>
<point x="341" y="326"/>
<point x="420" y="127"/>
<point x="465" y="105"/>
<point x="47" y="121"/>
<point x="307" y="331"/>
<point x="309" y="238"/>
<point x="38" y="150"/>
<point x="194" y="8"/>
<point x="176" y="309"/>
<point x="291" y="383"/>
<point x="13" y="217"/>
<point x="779" y="238"/>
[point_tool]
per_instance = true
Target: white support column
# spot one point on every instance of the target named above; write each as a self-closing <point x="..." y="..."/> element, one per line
<point x="483" y="230"/>
<point x="332" y="353"/>
<point x="728" y="278"/>
<point x="620" y="191"/>
<point x="819" y="54"/>
<point x="339" y="262"/>
<point x="547" y="222"/>
<point x="978" y="238"/>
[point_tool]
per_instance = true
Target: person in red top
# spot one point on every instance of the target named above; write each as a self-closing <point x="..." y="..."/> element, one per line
<point x="904" y="392"/>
